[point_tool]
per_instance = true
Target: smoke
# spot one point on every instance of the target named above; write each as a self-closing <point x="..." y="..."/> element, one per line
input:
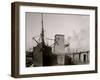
<point x="79" y="40"/>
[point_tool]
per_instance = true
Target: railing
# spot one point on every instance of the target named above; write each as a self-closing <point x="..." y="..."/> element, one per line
<point x="79" y="57"/>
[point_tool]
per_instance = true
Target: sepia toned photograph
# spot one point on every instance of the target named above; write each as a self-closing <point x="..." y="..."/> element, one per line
<point x="56" y="39"/>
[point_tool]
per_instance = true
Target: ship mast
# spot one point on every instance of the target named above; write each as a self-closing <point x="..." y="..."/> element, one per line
<point x="42" y="32"/>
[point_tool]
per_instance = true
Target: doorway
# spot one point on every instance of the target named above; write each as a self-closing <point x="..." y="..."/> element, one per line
<point x="84" y="58"/>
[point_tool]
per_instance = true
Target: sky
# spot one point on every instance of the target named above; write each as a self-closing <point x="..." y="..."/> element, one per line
<point x="75" y="29"/>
